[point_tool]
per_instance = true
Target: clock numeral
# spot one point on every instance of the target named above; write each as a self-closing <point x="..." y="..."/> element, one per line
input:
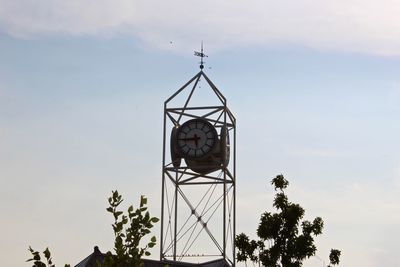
<point x="192" y="152"/>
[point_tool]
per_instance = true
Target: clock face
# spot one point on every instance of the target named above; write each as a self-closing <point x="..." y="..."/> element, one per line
<point x="196" y="138"/>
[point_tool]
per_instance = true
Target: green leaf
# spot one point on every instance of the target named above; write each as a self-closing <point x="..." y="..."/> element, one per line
<point x="143" y="201"/>
<point x="154" y="220"/>
<point x="117" y="214"/>
<point x="46" y="253"/>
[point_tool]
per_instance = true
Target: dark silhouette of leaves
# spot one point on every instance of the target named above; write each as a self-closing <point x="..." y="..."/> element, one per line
<point x="279" y="182"/>
<point x="334" y="256"/>
<point x="285" y="240"/>
<point x="37" y="260"/>
<point x="129" y="229"/>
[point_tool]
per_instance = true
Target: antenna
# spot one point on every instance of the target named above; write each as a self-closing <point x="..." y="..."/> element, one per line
<point x="201" y="55"/>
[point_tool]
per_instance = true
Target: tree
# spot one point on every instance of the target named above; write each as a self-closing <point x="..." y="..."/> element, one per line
<point x="285" y="240"/>
<point x="129" y="231"/>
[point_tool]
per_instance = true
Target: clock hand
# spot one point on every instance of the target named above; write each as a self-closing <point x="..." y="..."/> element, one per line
<point x="195" y="138"/>
<point x="188" y="139"/>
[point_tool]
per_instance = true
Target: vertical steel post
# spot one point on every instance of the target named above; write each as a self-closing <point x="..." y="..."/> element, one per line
<point x="234" y="193"/>
<point x="176" y="214"/>
<point x="163" y="185"/>
<point x="224" y="192"/>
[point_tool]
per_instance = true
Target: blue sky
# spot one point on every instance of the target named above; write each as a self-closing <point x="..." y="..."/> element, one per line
<point x="314" y="86"/>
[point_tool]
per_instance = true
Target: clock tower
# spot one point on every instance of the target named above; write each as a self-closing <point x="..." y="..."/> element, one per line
<point x="198" y="202"/>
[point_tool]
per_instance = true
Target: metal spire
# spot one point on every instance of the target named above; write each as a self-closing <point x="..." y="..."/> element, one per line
<point x="201" y="55"/>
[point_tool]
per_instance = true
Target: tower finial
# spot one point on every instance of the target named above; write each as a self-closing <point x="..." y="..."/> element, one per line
<point x="201" y="55"/>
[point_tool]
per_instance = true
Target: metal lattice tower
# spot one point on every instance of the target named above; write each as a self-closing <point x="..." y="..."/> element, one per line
<point x="198" y="217"/>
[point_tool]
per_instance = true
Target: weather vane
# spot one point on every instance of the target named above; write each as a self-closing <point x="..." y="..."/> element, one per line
<point x="201" y="55"/>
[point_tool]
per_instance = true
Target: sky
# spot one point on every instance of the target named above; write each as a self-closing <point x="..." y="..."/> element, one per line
<point x="314" y="86"/>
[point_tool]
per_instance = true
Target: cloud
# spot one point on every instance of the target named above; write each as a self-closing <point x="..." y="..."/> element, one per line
<point x="25" y="18"/>
<point x="353" y="25"/>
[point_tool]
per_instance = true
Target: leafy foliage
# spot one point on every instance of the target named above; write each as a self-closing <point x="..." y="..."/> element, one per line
<point x="37" y="260"/>
<point x="129" y="230"/>
<point x="334" y="257"/>
<point x="290" y="240"/>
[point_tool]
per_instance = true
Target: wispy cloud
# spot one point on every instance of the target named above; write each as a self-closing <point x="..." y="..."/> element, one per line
<point x="355" y="26"/>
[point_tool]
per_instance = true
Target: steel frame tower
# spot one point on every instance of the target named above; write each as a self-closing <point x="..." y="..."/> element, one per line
<point x="215" y="207"/>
